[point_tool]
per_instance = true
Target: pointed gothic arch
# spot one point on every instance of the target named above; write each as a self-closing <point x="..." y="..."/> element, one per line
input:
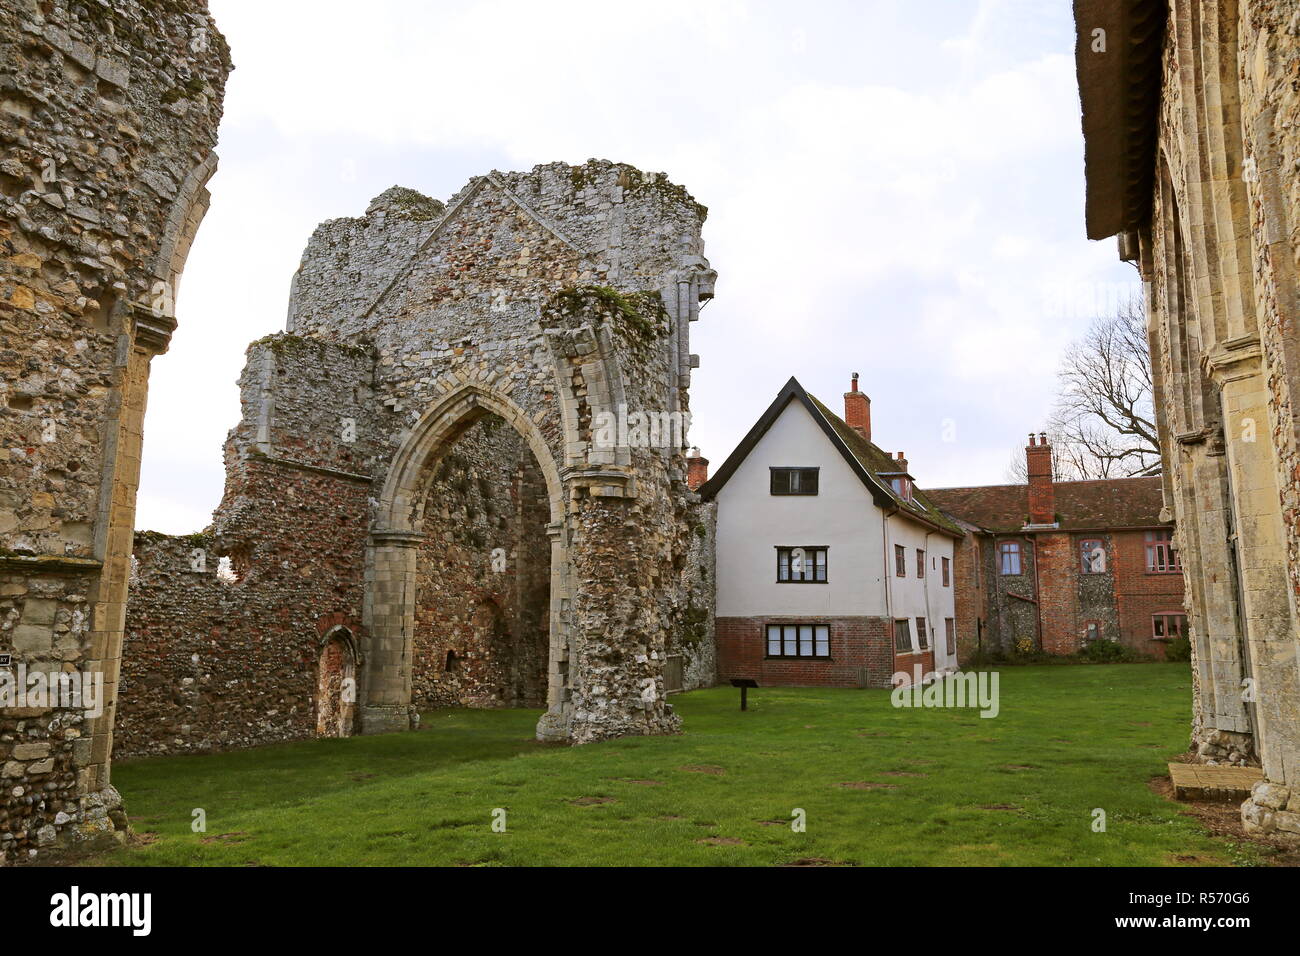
<point x="395" y="539"/>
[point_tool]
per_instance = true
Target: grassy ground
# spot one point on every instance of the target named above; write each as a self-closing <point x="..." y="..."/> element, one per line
<point x="879" y="786"/>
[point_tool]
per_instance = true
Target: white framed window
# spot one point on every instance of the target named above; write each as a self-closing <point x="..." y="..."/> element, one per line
<point x="798" y="640"/>
<point x="801" y="564"/>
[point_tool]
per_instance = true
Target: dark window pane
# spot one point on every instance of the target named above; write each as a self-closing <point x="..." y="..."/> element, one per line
<point x="902" y="636"/>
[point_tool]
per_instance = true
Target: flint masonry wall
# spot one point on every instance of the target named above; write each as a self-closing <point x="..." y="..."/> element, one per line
<point x="1218" y="249"/>
<point x="108" y="117"/>
<point x="1013" y="617"/>
<point x="467" y="351"/>
<point x="213" y="664"/>
<point x="210" y="664"/>
<point x="693" y="636"/>
<point x="491" y="303"/>
<point x="483" y="575"/>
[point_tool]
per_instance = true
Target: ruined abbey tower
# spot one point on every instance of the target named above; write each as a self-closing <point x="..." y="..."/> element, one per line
<point x="108" y="118"/>
<point x="426" y="502"/>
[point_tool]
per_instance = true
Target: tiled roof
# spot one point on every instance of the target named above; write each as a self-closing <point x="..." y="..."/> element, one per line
<point x="1111" y="503"/>
<point x="878" y="462"/>
<point x="866" y="460"/>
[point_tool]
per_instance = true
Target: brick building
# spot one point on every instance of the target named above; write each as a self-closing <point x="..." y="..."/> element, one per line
<point x="833" y="569"/>
<point x="1050" y="565"/>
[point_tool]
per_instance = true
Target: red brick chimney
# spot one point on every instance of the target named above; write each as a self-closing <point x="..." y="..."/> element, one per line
<point x="1042" y="496"/>
<point x="697" y="469"/>
<point x="857" y="410"/>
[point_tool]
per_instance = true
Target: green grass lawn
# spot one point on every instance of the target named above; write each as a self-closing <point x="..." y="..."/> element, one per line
<point x="927" y="787"/>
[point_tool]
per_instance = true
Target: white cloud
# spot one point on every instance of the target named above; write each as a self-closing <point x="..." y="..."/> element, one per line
<point x="894" y="188"/>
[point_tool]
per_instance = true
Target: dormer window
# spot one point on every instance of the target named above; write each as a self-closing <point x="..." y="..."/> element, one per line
<point x="900" y="483"/>
<point x="794" y="481"/>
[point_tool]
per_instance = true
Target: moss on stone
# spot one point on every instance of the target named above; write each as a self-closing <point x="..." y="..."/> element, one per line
<point x="695" y="625"/>
<point x="641" y="312"/>
<point x="200" y="539"/>
<point x="660" y="185"/>
<point x="284" y="343"/>
<point x="194" y="86"/>
<point x="413" y="204"/>
<point x="580" y="177"/>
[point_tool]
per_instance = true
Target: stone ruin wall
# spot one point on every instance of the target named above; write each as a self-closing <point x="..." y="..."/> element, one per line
<point x="629" y="552"/>
<point x="108" y="118"/>
<point x="692" y="637"/>
<point x="210" y="663"/>
<point x="1270" y="53"/>
<point x="486" y="494"/>
<point x="500" y="256"/>
<point x="1221" y="257"/>
<point x="213" y="664"/>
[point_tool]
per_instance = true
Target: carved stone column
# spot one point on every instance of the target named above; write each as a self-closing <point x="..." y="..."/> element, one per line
<point x="390" y="619"/>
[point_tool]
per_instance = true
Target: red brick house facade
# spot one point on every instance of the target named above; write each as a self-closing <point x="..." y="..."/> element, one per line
<point x="1050" y="565"/>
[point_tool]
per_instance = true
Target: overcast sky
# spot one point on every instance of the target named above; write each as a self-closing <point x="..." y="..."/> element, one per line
<point x="894" y="188"/>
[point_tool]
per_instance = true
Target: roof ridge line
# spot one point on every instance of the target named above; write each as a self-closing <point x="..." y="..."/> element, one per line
<point x="465" y="196"/>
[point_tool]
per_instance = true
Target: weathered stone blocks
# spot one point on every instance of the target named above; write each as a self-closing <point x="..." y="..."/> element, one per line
<point x="108" y="116"/>
<point x="417" y="463"/>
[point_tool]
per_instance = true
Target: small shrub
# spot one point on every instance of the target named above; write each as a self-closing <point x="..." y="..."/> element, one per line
<point x="981" y="659"/>
<point x="1179" y="649"/>
<point x="1104" y="651"/>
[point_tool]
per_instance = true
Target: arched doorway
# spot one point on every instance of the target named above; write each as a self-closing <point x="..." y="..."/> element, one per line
<point x="468" y="567"/>
<point x="336" y="685"/>
<point x="483" y="575"/>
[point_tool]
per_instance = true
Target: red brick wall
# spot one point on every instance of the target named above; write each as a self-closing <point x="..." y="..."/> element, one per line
<point x="969" y="597"/>
<point x="859" y="645"/>
<point x="208" y="665"/>
<point x="1122" y="600"/>
<point x="1139" y="595"/>
<point x="1058" y="606"/>
<point x="905" y="664"/>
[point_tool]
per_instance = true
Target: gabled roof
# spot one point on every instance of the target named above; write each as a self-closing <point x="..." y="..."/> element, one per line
<point x="867" y="461"/>
<point x="1100" y="505"/>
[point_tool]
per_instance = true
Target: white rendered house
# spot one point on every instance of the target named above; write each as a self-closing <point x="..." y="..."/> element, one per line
<point x="833" y="569"/>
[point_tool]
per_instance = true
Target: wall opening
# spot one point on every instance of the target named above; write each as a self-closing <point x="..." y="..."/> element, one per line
<point x="336" y="685"/>
<point x="483" y="572"/>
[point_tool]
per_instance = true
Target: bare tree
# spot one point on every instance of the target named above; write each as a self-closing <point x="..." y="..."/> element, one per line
<point x="1103" y="422"/>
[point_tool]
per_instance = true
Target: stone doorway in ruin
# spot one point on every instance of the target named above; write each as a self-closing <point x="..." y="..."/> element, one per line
<point x="467" y="568"/>
<point x="336" y="685"/>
